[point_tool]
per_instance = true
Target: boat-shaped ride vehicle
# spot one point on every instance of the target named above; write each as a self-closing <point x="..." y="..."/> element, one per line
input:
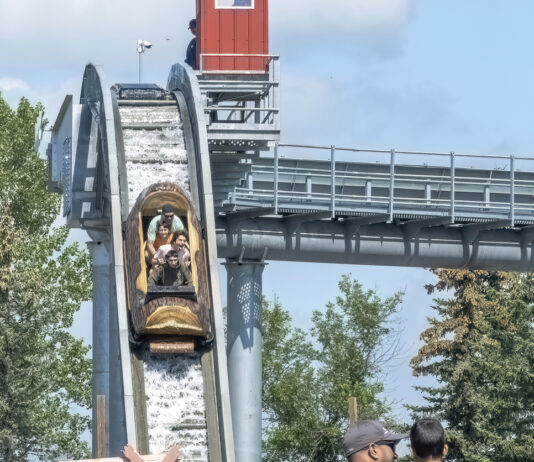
<point x="170" y="319"/>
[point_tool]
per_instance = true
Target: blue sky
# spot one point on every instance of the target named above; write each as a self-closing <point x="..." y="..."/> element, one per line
<point x="436" y="75"/>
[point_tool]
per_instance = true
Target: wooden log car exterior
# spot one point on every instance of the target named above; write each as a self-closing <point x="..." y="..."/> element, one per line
<point x="165" y="316"/>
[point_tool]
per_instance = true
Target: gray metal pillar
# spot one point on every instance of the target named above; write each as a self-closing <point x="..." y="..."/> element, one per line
<point x="101" y="285"/>
<point x="118" y="437"/>
<point x="244" y="342"/>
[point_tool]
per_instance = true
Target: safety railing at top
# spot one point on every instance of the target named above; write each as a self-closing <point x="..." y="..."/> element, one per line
<point x="242" y="68"/>
<point x="396" y="183"/>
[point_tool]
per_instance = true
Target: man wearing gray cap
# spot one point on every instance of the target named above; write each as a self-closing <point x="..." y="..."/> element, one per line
<point x="369" y="441"/>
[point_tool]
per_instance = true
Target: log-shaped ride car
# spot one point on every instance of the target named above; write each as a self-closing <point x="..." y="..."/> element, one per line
<point x="172" y="319"/>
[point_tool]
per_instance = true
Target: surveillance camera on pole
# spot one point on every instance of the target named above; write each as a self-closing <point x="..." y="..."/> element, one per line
<point x="142" y="45"/>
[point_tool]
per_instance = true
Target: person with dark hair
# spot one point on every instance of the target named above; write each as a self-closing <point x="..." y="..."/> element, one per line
<point x="171" y="274"/>
<point x="369" y="441"/>
<point x="191" y="53"/>
<point x="179" y="244"/>
<point x="168" y="216"/>
<point x="427" y="439"/>
<point x="163" y="237"/>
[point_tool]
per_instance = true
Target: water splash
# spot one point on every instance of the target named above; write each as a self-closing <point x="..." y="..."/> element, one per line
<point x="173" y="383"/>
<point x="175" y="405"/>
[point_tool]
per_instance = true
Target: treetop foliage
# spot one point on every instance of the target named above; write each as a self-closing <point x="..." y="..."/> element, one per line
<point x="44" y="370"/>
<point x="480" y="348"/>
<point x="23" y="177"/>
<point x="307" y="380"/>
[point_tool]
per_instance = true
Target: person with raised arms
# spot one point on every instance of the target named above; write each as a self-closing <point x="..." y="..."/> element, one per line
<point x="180" y="244"/>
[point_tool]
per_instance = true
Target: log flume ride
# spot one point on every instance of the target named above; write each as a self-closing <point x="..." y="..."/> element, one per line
<point x="142" y="147"/>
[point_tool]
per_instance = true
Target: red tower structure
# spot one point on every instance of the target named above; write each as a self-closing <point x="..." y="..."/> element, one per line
<point x="233" y="36"/>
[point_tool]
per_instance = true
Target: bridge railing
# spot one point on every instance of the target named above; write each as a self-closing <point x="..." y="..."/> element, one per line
<point x="459" y="188"/>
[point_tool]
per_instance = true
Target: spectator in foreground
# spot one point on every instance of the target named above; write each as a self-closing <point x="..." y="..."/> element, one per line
<point x="369" y="441"/>
<point x="191" y="54"/>
<point x="427" y="439"/>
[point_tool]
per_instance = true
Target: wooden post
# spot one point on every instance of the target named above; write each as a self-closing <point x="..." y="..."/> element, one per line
<point x="101" y="427"/>
<point x="353" y="410"/>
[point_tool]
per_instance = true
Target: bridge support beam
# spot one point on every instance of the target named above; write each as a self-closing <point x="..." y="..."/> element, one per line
<point x="474" y="247"/>
<point x="101" y="297"/>
<point x="244" y="356"/>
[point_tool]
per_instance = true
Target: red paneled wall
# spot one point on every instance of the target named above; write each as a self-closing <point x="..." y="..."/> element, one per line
<point x="233" y="30"/>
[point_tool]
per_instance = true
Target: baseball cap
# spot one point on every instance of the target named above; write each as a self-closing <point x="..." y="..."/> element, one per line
<point x="192" y="24"/>
<point x="167" y="209"/>
<point x="364" y="432"/>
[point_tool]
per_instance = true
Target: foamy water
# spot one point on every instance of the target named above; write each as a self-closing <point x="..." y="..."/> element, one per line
<point x="173" y="383"/>
<point x="175" y="405"/>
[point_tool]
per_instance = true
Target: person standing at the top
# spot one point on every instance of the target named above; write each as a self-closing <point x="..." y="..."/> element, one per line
<point x="191" y="55"/>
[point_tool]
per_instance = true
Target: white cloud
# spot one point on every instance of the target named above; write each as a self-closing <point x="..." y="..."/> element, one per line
<point x="50" y="42"/>
<point x="59" y="35"/>
<point x="339" y="15"/>
<point x="10" y="84"/>
<point x="341" y="29"/>
<point x="51" y="96"/>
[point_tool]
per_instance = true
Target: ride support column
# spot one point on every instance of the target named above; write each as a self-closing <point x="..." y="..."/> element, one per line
<point x="244" y="344"/>
<point x="101" y="272"/>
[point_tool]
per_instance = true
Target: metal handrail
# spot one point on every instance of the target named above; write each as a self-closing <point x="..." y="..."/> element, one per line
<point x="438" y="179"/>
<point x="426" y="194"/>
<point x="246" y="192"/>
<point x="388" y="151"/>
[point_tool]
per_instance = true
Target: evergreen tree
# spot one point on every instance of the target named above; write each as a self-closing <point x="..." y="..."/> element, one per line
<point x="307" y="381"/>
<point x="44" y="371"/>
<point x="480" y="348"/>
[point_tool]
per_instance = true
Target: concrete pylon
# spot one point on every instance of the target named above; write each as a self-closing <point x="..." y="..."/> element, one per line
<point x="101" y="285"/>
<point x="244" y="343"/>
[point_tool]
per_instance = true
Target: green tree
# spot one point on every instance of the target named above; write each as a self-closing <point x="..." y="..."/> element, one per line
<point x="44" y="371"/>
<point x="480" y="348"/>
<point x="307" y="380"/>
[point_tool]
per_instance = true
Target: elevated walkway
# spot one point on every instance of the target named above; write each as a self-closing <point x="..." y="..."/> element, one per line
<point x="319" y="204"/>
<point x="395" y="186"/>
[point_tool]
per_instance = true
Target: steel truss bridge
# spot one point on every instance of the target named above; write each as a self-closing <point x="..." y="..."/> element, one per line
<point x="258" y="199"/>
<point x="376" y="207"/>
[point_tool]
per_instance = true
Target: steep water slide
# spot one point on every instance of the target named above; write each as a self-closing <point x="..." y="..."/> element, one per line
<point x="129" y="138"/>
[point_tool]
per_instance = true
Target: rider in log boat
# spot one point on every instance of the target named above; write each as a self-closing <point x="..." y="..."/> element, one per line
<point x="168" y="216"/>
<point x="180" y="244"/>
<point x="171" y="274"/>
<point x="170" y="302"/>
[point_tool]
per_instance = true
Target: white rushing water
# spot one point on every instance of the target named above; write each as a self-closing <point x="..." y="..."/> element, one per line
<point x="153" y="156"/>
<point x="175" y="405"/>
<point x="173" y="383"/>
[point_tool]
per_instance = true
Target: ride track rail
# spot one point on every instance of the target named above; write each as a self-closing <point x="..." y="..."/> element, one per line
<point x="144" y="136"/>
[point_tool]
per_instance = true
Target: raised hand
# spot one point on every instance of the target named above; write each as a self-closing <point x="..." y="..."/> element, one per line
<point x="131" y="454"/>
<point x="174" y="454"/>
